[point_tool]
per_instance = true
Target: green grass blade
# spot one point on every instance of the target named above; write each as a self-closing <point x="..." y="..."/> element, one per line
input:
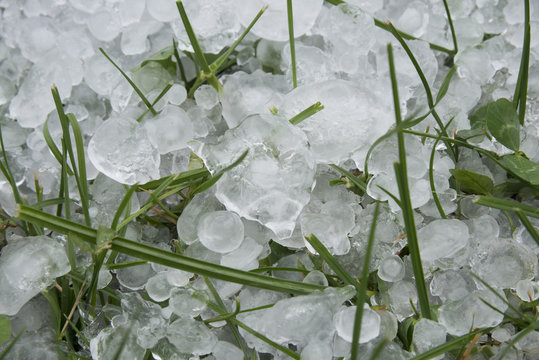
<point x="123" y="205"/>
<point x="521" y="89"/>
<point x="126" y="264"/>
<point x="184" y="177"/>
<point x="406" y="204"/>
<point x="332" y="262"/>
<point x="445" y="84"/>
<point x="218" y="63"/>
<point x="6" y="170"/>
<point x="310" y="111"/>
<point x="67" y="202"/>
<point x="292" y="42"/>
<point x="362" y="292"/>
<point x="378" y="350"/>
<point x="49" y="202"/>
<point x="354" y="179"/>
<point x="452" y="28"/>
<point x="133" y="85"/>
<point x="161" y="94"/>
<point x="193" y="39"/>
<point x="180" y="64"/>
<point x="8" y="348"/>
<point x="166" y="258"/>
<point x="508" y="205"/>
<point x="528" y="225"/>
<point x="52" y="146"/>
<point x="450" y="345"/>
<point x="532" y="327"/>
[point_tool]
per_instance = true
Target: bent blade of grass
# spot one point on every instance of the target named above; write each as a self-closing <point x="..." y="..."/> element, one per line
<point x="8" y="348"/>
<point x="52" y="146"/>
<point x="354" y="179"/>
<point x="528" y="225"/>
<point x="534" y="326"/>
<point x="193" y="39"/>
<point x="123" y="205"/>
<point x="331" y="261"/>
<point x="159" y="256"/>
<point x="290" y="14"/>
<point x="218" y="63"/>
<point x="186" y="176"/>
<point x="308" y="112"/>
<point x="133" y="85"/>
<point x="362" y="291"/>
<point x="452" y="28"/>
<point x="6" y="170"/>
<point x="450" y="345"/>
<point x="161" y="94"/>
<point x="406" y="203"/>
<point x="521" y="89"/>
<point x="508" y="205"/>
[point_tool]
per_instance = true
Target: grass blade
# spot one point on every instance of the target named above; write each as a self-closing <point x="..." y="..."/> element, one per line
<point x="528" y="225"/>
<point x="193" y="39"/>
<point x="332" y="262"/>
<point x="166" y="258"/>
<point x="217" y="64"/>
<point x="133" y="85"/>
<point x="6" y="170"/>
<point x="161" y="94"/>
<point x="8" y="348"/>
<point x="508" y="205"/>
<point x="292" y="42"/>
<point x="52" y="146"/>
<point x="123" y="205"/>
<point x="357" y="181"/>
<point x="521" y="89"/>
<point x="406" y="204"/>
<point x="450" y="345"/>
<point x="452" y="28"/>
<point x="532" y="327"/>
<point x="310" y="111"/>
<point x="362" y="292"/>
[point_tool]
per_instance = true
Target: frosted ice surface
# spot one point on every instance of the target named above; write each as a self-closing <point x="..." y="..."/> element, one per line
<point x="247" y="94"/>
<point x="158" y="287"/>
<point x="206" y="97"/>
<point x="272" y="184"/>
<point x="134" y="37"/>
<point x="458" y="317"/>
<point x="170" y="130"/>
<point x="370" y="323"/>
<point x="391" y="269"/>
<point x="190" y="216"/>
<point x="316" y="277"/>
<point x="106" y="344"/>
<point x="121" y="149"/>
<point x="100" y="75"/>
<point x="244" y="257"/>
<point x="505" y="264"/>
<point x="131" y="11"/>
<point x="133" y="278"/>
<point x="36" y="90"/>
<point x="224" y="350"/>
<point x="330" y="224"/>
<point x="414" y="18"/>
<point x="353" y="116"/>
<point x="442" y="238"/>
<point x="317" y="350"/>
<point x="7" y="90"/>
<point x="475" y="65"/>
<point x="300" y="318"/>
<point x="527" y="290"/>
<point x="427" y="335"/>
<point x="215" y="24"/>
<point x="27" y="266"/>
<point x="186" y="303"/>
<point x="220" y="231"/>
<point x="401" y="294"/>
<point x="162" y="10"/>
<point x="452" y="284"/>
<point x="273" y="25"/>
<point x="191" y="336"/>
<point x="104" y="25"/>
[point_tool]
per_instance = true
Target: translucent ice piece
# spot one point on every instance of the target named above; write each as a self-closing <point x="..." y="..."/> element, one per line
<point x="170" y="130"/>
<point x="220" y="231"/>
<point x="442" y="239"/>
<point x="370" y="323"/>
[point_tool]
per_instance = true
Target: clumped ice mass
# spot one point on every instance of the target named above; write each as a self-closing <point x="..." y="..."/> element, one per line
<point x="283" y="190"/>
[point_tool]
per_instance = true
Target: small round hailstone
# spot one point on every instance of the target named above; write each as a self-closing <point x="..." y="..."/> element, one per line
<point x="220" y="231"/>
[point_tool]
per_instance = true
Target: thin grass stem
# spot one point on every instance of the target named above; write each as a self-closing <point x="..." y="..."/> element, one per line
<point x="292" y="42"/>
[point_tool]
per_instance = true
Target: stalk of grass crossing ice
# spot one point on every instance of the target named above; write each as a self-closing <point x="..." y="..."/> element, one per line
<point x="406" y="204"/>
<point x="292" y="42"/>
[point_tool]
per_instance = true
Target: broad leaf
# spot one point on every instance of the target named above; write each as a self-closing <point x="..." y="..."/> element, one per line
<point x="473" y="183"/>
<point x="503" y="123"/>
<point x="522" y="167"/>
<point x="5" y="329"/>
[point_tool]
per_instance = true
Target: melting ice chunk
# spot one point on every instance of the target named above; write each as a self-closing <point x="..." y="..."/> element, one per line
<point x="27" y="266"/>
<point x="442" y="238"/>
<point x="272" y="184"/>
<point x="170" y="130"/>
<point x="122" y="150"/>
<point x="370" y="323"/>
<point x="391" y="269"/>
<point x="220" y="231"/>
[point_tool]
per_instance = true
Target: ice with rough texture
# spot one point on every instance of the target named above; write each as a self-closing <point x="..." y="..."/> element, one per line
<point x="300" y="318"/>
<point x="442" y="238"/>
<point x="273" y="24"/>
<point x="452" y="284"/>
<point x="247" y="94"/>
<point x="122" y="150"/>
<point x="460" y="316"/>
<point x="353" y="116"/>
<point x="272" y="184"/>
<point x="391" y="269"/>
<point x="370" y="323"/>
<point x="401" y="295"/>
<point x="170" y="130"/>
<point x="191" y="336"/>
<point x="220" y="231"/>
<point x="187" y="303"/>
<point x="106" y="344"/>
<point x="427" y="335"/>
<point x="224" y="350"/>
<point x="29" y="265"/>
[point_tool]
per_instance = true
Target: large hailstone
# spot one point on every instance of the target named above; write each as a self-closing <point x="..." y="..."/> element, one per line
<point x="273" y="183"/>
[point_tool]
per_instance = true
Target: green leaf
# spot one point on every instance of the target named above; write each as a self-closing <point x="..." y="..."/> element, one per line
<point x="104" y="238"/>
<point x="277" y="252"/>
<point x="522" y="167"/>
<point x="81" y="244"/>
<point x="445" y="84"/>
<point x="5" y="329"/>
<point x="503" y="123"/>
<point x="406" y="332"/>
<point x="473" y="183"/>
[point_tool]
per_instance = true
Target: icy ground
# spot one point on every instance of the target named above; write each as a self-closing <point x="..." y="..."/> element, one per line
<point x="281" y="191"/>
